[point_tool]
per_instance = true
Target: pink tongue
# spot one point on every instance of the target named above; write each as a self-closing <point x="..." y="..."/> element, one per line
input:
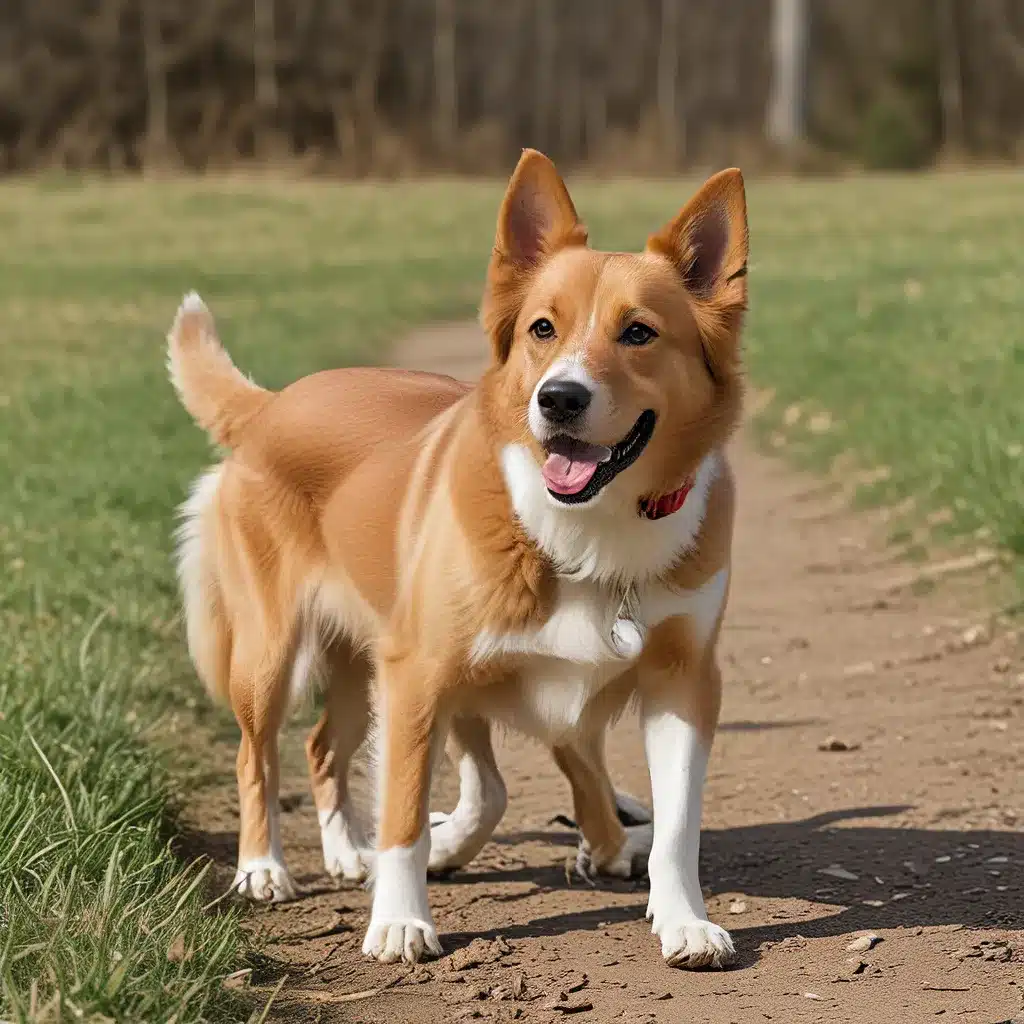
<point x="564" y="476"/>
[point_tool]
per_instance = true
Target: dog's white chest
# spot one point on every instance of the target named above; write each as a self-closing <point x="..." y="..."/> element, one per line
<point x="591" y="637"/>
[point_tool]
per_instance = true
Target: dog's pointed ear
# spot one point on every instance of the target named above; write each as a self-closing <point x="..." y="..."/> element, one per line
<point x="708" y="243"/>
<point x="537" y="218"/>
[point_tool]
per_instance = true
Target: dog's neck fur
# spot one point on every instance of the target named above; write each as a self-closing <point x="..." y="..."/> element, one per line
<point x="607" y="542"/>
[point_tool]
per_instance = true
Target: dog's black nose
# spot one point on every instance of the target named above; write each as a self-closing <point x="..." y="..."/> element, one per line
<point x="563" y="400"/>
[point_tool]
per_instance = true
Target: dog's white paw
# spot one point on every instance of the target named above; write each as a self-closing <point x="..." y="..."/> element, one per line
<point x="447" y="842"/>
<point x="629" y="862"/>
<point x="264" y="880"/>
<point x="456" y="838"/>
<point x="345" y="855"/>
<point x="454" y="842"/>
<point x="693" y="944"/>
<point x="350" y="865"/>
<point x="391" y="941"/>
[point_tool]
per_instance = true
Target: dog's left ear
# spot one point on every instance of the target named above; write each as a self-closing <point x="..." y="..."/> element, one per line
<point x="707" y="242"/>
<point x="537" y="218"/>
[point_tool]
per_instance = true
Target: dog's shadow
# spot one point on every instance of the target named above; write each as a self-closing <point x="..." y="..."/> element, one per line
<point x="860" y="875"/>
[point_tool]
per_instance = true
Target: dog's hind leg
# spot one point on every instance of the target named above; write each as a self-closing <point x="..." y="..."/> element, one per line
<point x="259" y="699"/>
<point x="329" y="749"/>
<point x="456" y="838"/>
<point x="604" y="838"/>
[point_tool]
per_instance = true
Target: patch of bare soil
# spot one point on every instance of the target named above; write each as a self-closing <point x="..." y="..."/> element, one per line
<point x="862" y="820"/>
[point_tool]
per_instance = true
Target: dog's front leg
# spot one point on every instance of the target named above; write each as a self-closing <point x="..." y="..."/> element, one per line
<point x="401" y="926"/>
<point x="678" y="726"/>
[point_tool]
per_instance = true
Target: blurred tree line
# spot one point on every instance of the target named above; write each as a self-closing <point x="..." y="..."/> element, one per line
<point x="393" y="86"/>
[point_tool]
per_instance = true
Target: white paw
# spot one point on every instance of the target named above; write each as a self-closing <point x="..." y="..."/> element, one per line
<point x="452" y="844"/>
<point x="264" y="880"/>
<point x="446" y="840"/>
<point x="345" y="853"/>
<point x="391" y="941"/>
<point x="456" y="838"/>
<point x="351" y="865"/>
<point x="693" y="944"/>
<point x="629" y="862"/>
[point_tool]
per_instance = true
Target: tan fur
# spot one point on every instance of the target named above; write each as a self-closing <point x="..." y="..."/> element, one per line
<point x="369" y="509"/>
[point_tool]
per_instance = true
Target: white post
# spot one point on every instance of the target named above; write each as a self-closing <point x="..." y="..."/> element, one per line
<point x="784" y="121"/>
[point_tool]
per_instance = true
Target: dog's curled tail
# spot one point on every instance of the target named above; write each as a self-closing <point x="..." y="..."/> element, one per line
<point x="219" y="397"/>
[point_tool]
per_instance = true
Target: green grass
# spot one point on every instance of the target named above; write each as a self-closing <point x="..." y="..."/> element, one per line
<point x="892" y="305"/>
<point x="896" y="306"/>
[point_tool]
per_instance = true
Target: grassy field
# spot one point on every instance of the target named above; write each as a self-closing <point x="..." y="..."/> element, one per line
<point x="883" y="324"/>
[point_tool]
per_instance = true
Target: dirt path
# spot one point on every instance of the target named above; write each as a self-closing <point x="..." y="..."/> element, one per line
<point x="913" y="834"/>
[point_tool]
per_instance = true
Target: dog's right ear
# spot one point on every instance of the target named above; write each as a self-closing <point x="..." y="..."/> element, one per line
<point x="537" y="218"/>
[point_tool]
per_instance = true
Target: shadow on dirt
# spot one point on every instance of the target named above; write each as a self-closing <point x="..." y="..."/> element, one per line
<point x="858" y="875"/>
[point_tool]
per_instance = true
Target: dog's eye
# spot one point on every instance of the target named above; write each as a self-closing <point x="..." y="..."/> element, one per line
<point x="638" y="334"/>
<point x="542" y="329"/>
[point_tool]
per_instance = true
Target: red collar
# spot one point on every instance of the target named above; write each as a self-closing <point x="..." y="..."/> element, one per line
<point x="665" y="504"/>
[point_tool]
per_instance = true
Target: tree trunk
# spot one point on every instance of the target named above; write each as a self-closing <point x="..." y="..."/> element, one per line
<point x="668" y="81"/>
<point x="785" y="115"/>
<point x="950" y="78"/>
<point x="157" y="144"/>
<point x="567" y="96"/>
<point x="545" y="31"/>
<point x="595" y="115"/>
<point x="446" y="81"/>
<point x="264" y="61"/>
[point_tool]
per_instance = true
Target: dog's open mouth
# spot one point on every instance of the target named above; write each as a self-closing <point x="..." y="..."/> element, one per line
<point x="575" y="470"/>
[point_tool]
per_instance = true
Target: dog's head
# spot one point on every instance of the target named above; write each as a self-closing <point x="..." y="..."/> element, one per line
<point x="618" y="371"/>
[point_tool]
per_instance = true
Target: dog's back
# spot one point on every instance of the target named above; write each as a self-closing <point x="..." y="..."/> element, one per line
<point x="291" y="452"/>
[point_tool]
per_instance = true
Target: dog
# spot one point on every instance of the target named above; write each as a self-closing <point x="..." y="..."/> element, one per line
<point x="540" y="550"/>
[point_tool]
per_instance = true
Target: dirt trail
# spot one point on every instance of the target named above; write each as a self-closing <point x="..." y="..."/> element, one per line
<point x="913" y="833"/>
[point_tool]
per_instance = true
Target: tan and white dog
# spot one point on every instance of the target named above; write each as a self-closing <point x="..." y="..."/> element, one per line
<point x="539" y="550"/>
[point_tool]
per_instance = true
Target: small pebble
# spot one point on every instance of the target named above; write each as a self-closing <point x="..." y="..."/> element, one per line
<point x="864" y="943"/>
<point x="738" y="907"/>
<point x="838" y="871"/>
<point x="833" y="744"/>
<point x="974" y="635"/>
<point x="862" y="668"/>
